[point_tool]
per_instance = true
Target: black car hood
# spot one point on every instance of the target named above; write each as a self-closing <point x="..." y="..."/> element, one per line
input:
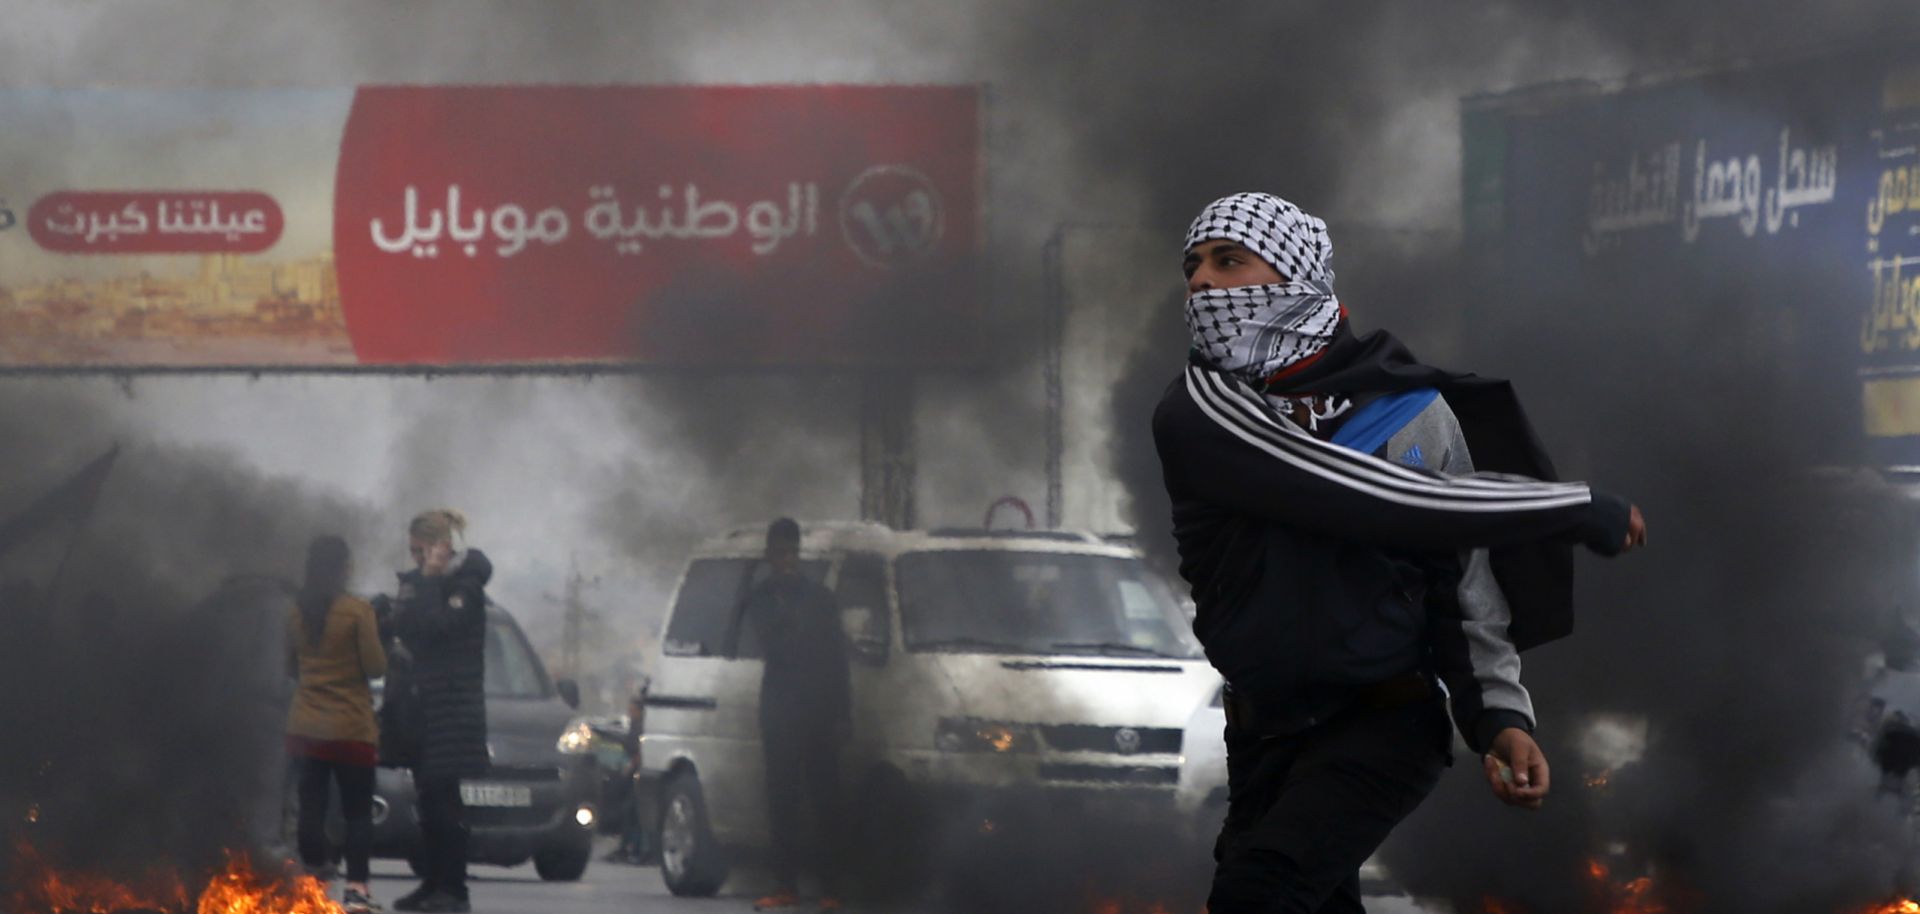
<point x="522" y="732"/>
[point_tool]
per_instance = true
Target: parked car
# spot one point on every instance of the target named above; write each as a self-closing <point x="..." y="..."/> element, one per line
<point x="540" y="800"/>
<point x="995" y="675"/>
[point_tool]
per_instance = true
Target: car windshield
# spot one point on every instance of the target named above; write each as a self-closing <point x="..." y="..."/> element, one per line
<point x="512" y="669"/>
<point x="1039" y="603"/>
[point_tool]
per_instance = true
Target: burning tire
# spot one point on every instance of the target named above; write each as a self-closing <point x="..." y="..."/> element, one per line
<point x="690" y="860"/>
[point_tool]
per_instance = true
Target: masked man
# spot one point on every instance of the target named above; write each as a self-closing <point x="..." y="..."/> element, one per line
<point x="1345" y="558"/>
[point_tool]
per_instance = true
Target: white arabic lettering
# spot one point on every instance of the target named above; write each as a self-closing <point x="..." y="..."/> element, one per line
<point x="683" y="213"/>
<point x="418" y="237"/>
<point x="1734" y="188"/>
<point x="469" y="236"/>
<point x="1647" y="195"/>
<point x="1807" y="177"/>
<point x="764" y="221"/>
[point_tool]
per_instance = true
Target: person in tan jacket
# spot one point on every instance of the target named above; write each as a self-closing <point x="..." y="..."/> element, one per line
<point x="334" y="642"/>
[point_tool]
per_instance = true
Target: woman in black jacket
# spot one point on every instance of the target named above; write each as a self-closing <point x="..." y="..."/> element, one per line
<point x="441" y="618"/>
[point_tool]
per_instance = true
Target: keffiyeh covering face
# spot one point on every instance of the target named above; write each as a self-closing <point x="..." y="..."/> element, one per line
<point x="1256" y="332"/>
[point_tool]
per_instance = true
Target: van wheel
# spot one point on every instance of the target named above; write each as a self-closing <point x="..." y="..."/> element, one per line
<point x="690" y="860"/>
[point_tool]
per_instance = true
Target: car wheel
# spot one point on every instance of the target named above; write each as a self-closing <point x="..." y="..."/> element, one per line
<point x="566" y="860"/>
<point x="690" y="859"/>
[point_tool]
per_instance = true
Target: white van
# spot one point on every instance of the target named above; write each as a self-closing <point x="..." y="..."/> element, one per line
<point x="991" y="669"/>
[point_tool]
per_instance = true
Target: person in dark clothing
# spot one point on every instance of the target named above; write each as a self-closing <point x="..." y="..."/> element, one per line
<point x="441" y="619"/>
<point x="629" y="799"/>
<point x="806" y="713"/>
<point x="1344" y="554"/>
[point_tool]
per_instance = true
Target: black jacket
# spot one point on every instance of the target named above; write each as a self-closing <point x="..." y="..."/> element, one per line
<point x="1292" y="543"/>
<point x="442" y="621"/>
<point x="805" y="684"/>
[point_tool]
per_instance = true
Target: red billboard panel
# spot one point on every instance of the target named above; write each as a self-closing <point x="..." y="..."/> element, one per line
<point x="727" y="226"/>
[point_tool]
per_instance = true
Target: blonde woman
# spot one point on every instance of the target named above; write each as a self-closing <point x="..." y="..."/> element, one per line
<point x="440" y="617"/>
<point x="335" y="644"/>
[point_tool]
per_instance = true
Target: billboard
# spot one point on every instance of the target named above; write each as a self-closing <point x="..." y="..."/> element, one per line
<point x="1757" y="215"/>
<point x="481" y="225"/>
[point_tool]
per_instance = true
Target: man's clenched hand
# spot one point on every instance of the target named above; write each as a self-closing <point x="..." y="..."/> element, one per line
<point x="1526" y="780"/>
<point x="1636" y="530"/>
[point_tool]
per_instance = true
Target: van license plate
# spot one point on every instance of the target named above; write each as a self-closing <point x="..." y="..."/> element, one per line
<point x="496" y="795"/>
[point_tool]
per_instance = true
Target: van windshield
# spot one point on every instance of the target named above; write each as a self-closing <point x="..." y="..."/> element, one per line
<point x="1038" y="603"/>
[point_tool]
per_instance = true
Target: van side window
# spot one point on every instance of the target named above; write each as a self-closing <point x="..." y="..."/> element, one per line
<point x="705" y="611"/>
<point x="746" y="643"/>
<point x="862" y="594"/>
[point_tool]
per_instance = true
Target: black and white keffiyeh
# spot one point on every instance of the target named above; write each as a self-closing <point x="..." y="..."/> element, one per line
<point x="1256" y="332"/>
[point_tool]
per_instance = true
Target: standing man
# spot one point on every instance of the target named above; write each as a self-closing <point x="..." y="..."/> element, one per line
<point x="442" y="621"/>
<point x="1335" y="537"/>
<point x="805" y="714"/>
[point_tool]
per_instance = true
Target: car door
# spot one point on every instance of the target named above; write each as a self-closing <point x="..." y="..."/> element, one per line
<point x="697" y="682"/>
<point x="722" y="656"/>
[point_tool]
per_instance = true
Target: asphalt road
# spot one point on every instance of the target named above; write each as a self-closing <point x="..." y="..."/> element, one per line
<point x="611" y="888"/>
<point x="608" y="888"/>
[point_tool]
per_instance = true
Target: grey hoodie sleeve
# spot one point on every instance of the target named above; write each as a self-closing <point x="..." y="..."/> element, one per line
<point x="1480" y="666"/>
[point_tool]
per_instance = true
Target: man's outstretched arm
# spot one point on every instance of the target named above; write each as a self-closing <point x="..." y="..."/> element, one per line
<point x="1221" y="444"/>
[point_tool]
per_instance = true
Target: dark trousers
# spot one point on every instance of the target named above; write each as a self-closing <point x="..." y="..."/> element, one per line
<point x="633" y="838"/>
<point x="1306" y="810"/>
<point x="803" y="775"/>
<point x="443" y="835"/>
<point x="317" y="776"/>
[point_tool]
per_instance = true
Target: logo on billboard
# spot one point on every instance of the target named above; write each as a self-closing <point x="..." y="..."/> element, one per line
<point x="891" y="216"/>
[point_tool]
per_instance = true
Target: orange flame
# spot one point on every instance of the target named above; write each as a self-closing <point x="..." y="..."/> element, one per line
<point x="239" y="889"/>
<point x="1903" y="906"/>
<point x="1638" y="896"/>
<point x="1127" y="906"/>
<point x="40" y="887"/>
<point x="236" y="889"/>
<point x="1492" y="905"/>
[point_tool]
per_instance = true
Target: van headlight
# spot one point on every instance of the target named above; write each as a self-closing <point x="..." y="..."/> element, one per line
<point x="966" y="735"/>
<point x="577" y="739"/>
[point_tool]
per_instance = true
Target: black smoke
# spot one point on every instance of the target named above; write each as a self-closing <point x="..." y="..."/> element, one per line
<point x="1738" y="635"/>
<point x="1136" y="113"/>
<point x="145" y="685"/>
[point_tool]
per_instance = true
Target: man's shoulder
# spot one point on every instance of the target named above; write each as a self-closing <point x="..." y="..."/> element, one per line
<point x="1440" y="414"/>
<point x="1431" y="440"/>
<point x="1174" y="396"/>
<point x="1179" y="415"/>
